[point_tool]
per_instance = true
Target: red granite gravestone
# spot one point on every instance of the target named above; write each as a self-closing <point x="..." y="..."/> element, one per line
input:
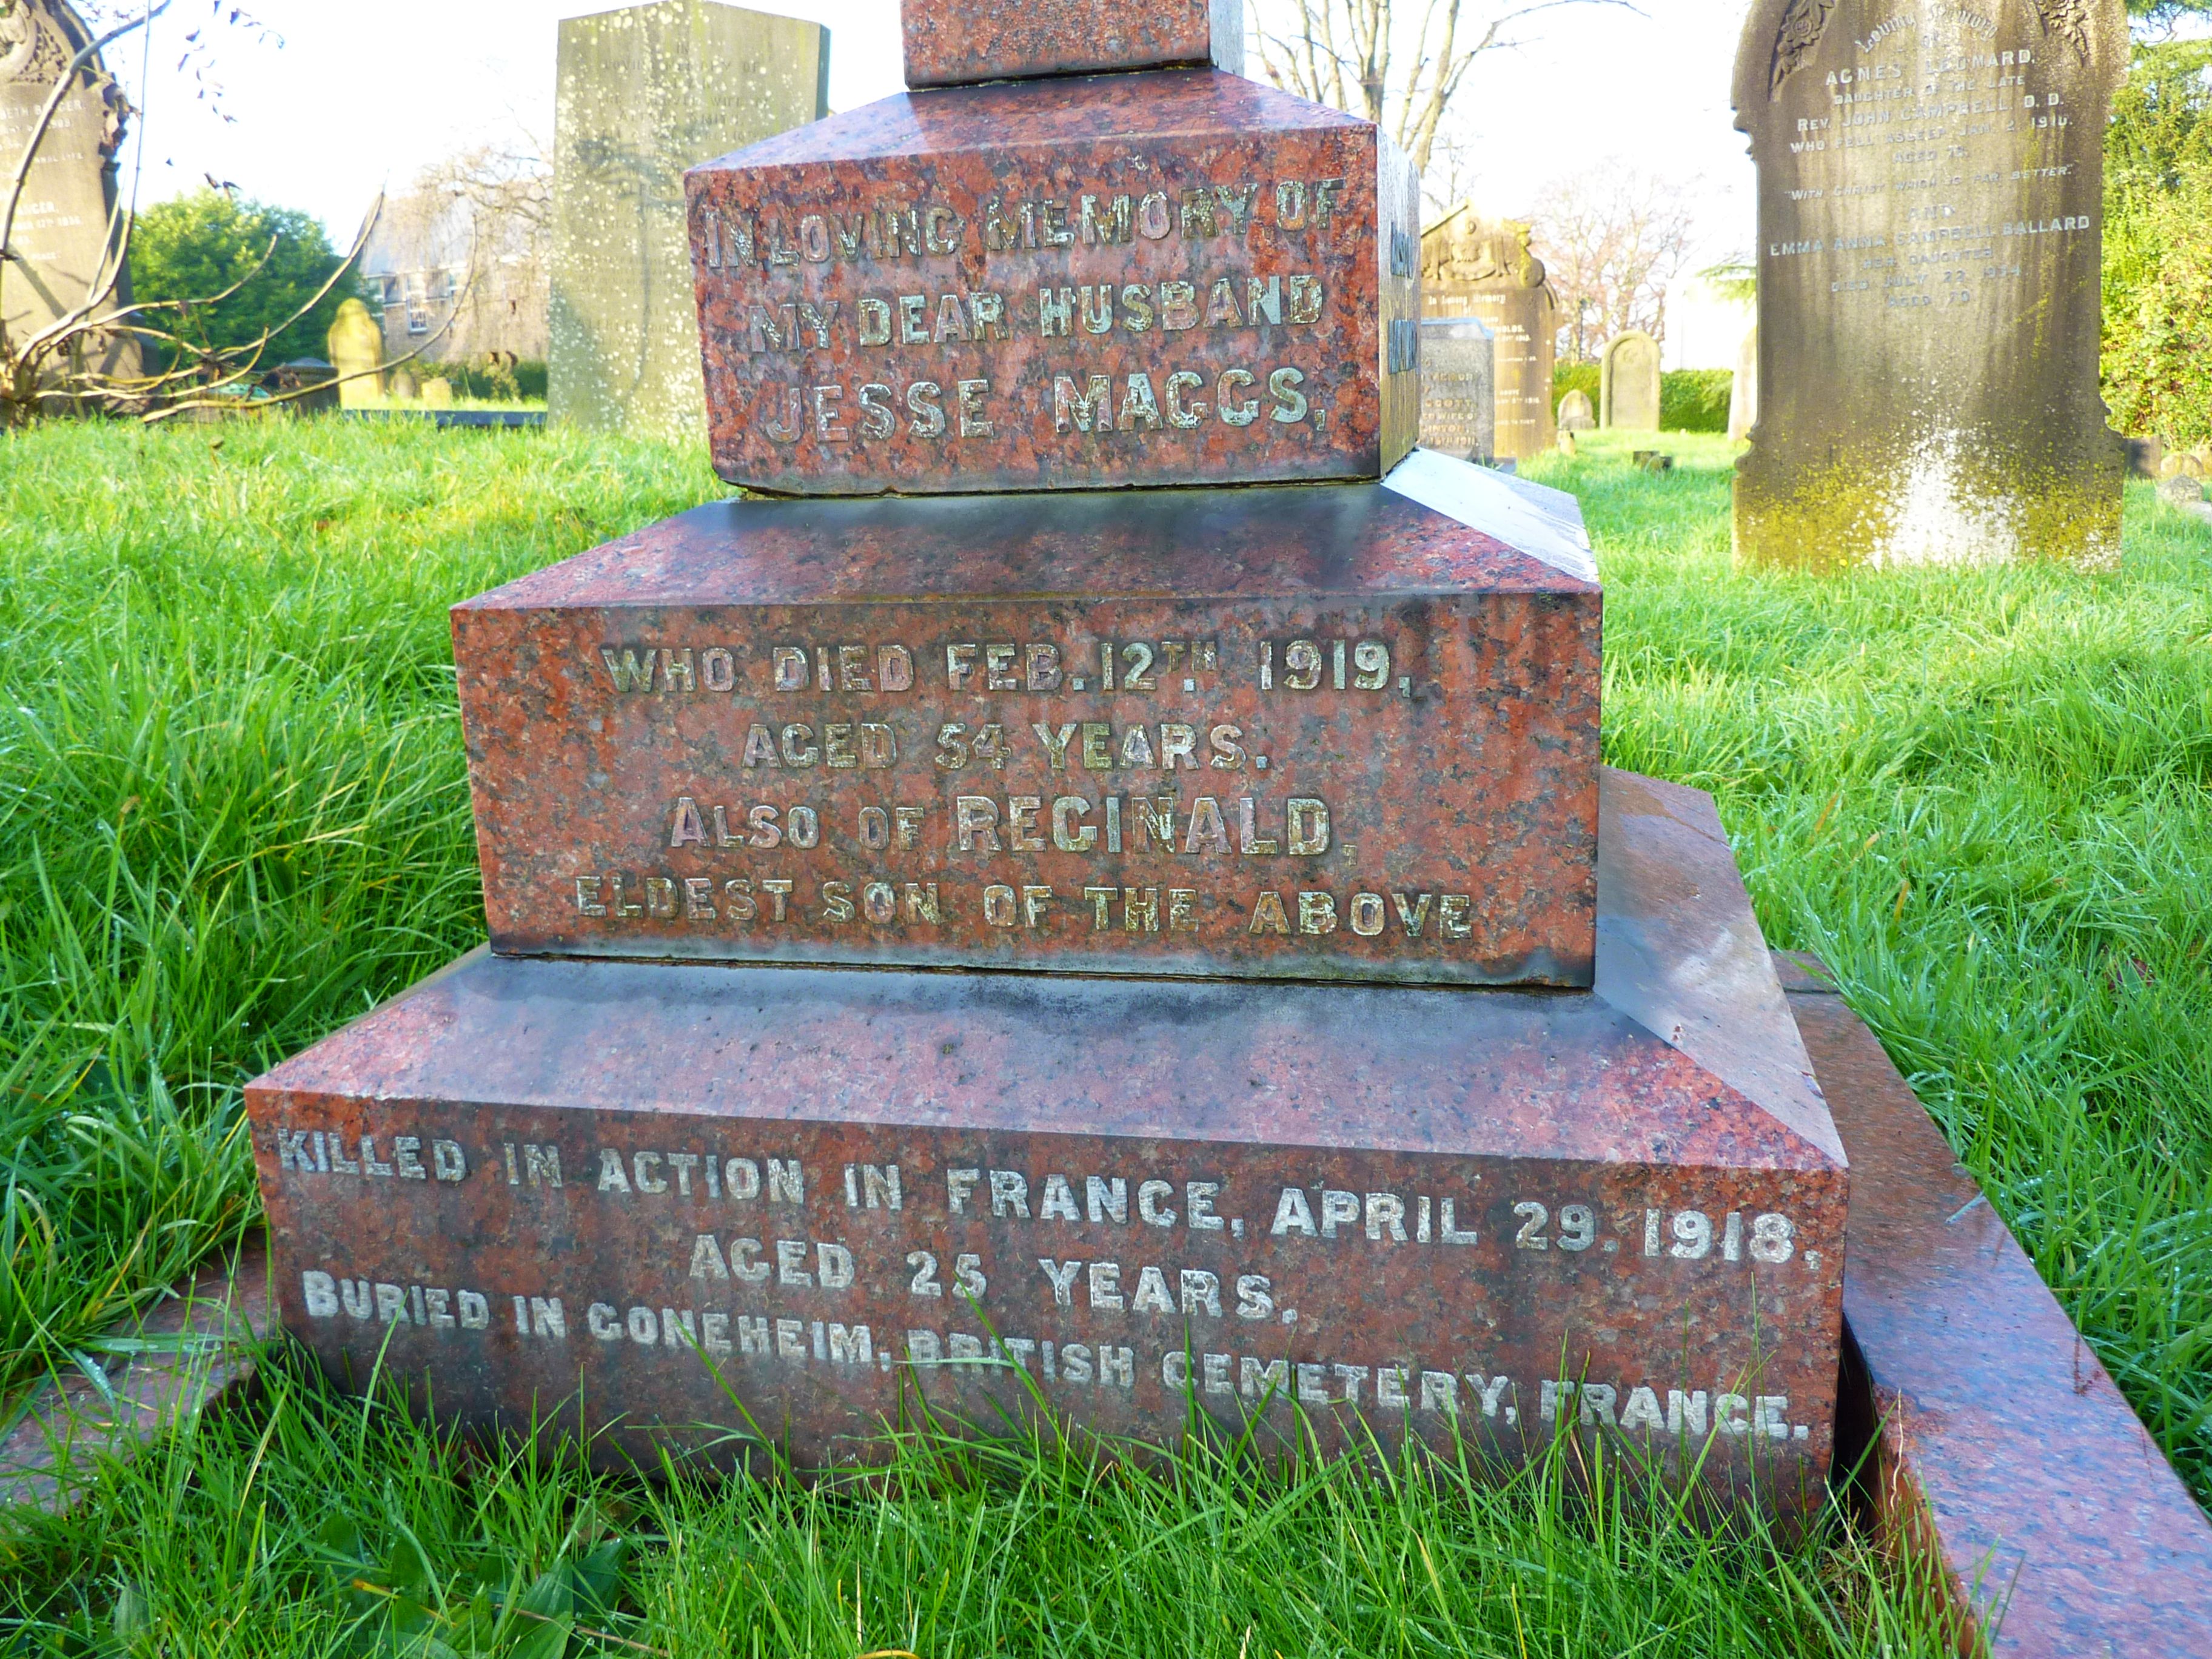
<point x="948" y="42"/>
<point x="1400" y="1070"/>
<point x="1175" y="277"/>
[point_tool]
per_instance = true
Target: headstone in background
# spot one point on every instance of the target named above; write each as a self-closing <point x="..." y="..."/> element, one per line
<point x="1575" y="414"/>
<point x="642" y="94"/>
<point x="65" y="231"/>
<point x="1628" y="382"/>
<point x="1930" y="189"/>
<point x="437" y="392"/>
<point x="356" y="348"/>
<point x="2181" y="489"/>
<point x="403" y="385"/>
<point x="1743" y="388"/>
<point x="1478" y="268"/>
<point x="1459" y="388"/>
<point x="948" y="41"/>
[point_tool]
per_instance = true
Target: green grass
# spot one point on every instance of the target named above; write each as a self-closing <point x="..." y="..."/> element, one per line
<point x="233" y="805"/>
<point x="306" y="1525"/>
<point x="1982" y="797"/>
<point x="233" y="813"/>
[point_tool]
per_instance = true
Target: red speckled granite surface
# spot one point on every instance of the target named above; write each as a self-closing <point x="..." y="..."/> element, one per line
<point x="951" y="42"/>
<point x="536" y="1175"/>
<point x="2004" y="1445"/>
<point x="901" y="710"/>
<point x="1171" y="277"/>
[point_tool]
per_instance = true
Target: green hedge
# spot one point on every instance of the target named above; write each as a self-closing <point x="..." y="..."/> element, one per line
<point x="479" y="380"/>
<point x="1695" y="399"/>
<point x="1690" y="400"/>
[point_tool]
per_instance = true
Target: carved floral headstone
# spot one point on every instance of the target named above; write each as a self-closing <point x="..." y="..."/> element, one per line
<point x="1931" y="199"/>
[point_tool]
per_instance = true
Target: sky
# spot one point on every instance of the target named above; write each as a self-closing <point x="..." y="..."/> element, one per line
<point x="334" y="102"/>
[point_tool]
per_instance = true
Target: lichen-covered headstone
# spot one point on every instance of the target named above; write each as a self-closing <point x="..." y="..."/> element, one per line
<point x="1481" y="268"/>
<point x="1628" y="382"/>
<point x="642" y="94"/>
<point x="63" y="242"/>
<point x="1575" y="414"/>
<point x="1930" y="197"/>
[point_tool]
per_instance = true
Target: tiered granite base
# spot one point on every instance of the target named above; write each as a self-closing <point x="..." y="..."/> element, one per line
<point x="618" y="1195"/>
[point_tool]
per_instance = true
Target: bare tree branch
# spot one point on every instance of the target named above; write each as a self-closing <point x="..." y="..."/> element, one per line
<point x="1613" y="241"/>
<point x="1304" y="55"/>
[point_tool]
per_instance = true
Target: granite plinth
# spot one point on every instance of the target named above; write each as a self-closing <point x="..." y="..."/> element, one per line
<point x="1349" y="733"/>
<point x="591" y="1195"/>
<point x="2002" y="1446"/>
<point x="1171" y="277"/>
<point x="951" y="42"/>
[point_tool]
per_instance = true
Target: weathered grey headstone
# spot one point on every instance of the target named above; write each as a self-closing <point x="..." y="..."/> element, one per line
<point x="403" y="385"/>
<point x="356" y="348"/>
<point x="1459" y="387"/>
<point x="644" y="92"/>
<point x="1575" y="414"/>
<point x="1743" y="388"/>
<point x="1930" y="185"/>
<point x="2182" y="489"/>
<point x="62" y="244"/>
<point x="1478" y="268"/>
<point x="1628" y="382"/>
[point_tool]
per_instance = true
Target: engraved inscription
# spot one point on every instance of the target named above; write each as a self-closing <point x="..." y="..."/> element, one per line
<point x="1136" y="1275"/>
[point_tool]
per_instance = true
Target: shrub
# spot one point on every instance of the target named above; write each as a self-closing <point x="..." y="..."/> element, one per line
<point x="1690" y="400"/>
<point x="478" y="378"/>
<point x="2158" y="245"/>
<point x="1574" y="377"/>
<point x="199" y="244"/>
<point x="1695" y="399"/>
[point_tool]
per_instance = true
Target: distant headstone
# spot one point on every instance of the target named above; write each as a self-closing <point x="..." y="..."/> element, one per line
<point x="1566" y="443"/>
<point x="642" y="94"/>
<point x="403" y="385"/>
<point x="437" y="392"/>
<point x="1575" y="414"/>
<point x="1459" y="387"/>
<point x="64" y="232"/>
<point x="1743" y="390"/>
<point x="356" y="348"/>
<point x="2181" y="489"/>
<point x="1480" y="268"/>
<point x="1931" y="192"/>
<point x="1628" y="382"/>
